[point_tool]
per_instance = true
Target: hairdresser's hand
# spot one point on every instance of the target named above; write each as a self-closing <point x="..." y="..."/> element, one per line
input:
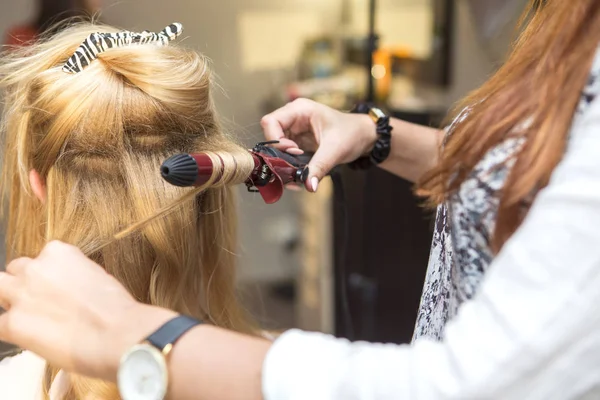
<point x="67" y="309"/>
<point x="336" y="137"/>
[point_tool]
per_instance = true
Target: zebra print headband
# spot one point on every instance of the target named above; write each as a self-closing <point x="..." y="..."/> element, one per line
<point x="98" y="43"/>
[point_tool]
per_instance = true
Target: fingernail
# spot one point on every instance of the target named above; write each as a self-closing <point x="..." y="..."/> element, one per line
<point x="314" y="182"/>
<point x="295" y="151"/>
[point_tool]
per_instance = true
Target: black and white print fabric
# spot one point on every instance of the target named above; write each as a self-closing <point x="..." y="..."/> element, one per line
<point x="98" y="43"/>
<point x="460" y="250"/>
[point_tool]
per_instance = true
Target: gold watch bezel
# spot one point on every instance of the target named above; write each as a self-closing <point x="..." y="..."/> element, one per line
<point x="160" y="357"/>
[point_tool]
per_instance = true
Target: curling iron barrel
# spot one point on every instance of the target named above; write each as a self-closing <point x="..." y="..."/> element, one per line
<point x="273" y="169"/>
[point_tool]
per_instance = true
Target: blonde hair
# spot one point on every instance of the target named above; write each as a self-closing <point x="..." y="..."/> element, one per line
<point x="97" y="139"/>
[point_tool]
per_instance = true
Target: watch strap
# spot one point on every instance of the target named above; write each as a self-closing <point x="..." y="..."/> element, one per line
<point x="171" y="331"/>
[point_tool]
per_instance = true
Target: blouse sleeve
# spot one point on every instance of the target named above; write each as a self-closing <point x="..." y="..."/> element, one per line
<point x="531" y="332"/>
<point x="21" y="377"/>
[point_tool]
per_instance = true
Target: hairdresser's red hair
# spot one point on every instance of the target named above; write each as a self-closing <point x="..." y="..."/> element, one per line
<point x="542" y="80"/>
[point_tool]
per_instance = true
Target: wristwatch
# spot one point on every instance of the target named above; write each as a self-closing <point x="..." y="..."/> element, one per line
<point x="382" y="147"/>
<point x="143" y="373"/>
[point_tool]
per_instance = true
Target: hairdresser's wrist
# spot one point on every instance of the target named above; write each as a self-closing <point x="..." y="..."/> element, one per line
<point x="132" y="326"/>
<point x="367" y="132"/>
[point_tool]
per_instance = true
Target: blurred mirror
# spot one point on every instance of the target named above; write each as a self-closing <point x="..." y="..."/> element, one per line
<point x="401" y="24"/>
<point x="494" y="22"/>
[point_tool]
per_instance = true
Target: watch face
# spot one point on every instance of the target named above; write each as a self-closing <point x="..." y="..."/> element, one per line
<point x="143" y="374"/>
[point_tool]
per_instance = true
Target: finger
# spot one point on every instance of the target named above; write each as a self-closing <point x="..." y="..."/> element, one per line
<point x="4" y="328"/>
<point x="17" y="266"/>
<point x="274" y="125"/>
<point x="9" y="330"/>
<point x="8" y="289"/>
<point x="288" y="117"/>
<point x="319" y="166"/>
<point x="285" y="143"/>
<point x="294" y="151"/>
<point x="293" y="187"/>
<point x="57" y="248"/>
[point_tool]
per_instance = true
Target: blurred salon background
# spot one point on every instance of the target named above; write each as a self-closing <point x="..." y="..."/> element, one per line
<point x="329" y="262"/>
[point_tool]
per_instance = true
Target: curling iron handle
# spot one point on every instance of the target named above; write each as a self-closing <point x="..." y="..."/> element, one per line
<point x="298" y="161"/>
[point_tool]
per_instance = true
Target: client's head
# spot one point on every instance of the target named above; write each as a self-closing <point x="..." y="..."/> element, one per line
<point x="81" y="164"/>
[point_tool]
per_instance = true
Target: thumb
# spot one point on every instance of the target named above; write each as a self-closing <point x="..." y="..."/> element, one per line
<point x="319" y="166"/>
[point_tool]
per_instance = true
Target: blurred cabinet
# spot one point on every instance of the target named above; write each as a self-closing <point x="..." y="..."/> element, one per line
<point x="382" y="238"/>
<point x="315" y="288"/>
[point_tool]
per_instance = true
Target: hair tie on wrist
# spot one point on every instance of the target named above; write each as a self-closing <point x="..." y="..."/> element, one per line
<point x="98" y="43"/>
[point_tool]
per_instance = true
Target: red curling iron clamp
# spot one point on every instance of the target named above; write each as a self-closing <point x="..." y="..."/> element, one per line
<point x="273" y="169"/>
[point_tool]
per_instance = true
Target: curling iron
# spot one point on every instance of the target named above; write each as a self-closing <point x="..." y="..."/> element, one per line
<point x="273" y="169"/>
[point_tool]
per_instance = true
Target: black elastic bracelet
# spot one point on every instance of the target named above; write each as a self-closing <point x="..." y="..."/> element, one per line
<point x="382" y="147"/>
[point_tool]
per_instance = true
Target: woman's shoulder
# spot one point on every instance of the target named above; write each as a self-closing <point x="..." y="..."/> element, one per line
<point x="20" y="35"/>
<point x="21" y="376"/>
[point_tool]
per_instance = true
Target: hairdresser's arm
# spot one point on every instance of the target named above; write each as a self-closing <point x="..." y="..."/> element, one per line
<point x="208" y="363"/>
<point x="415" y="149"/>
<point x="68" y="310"/>
<point x="340" y="138"/>
<point x="530" y="333"/>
